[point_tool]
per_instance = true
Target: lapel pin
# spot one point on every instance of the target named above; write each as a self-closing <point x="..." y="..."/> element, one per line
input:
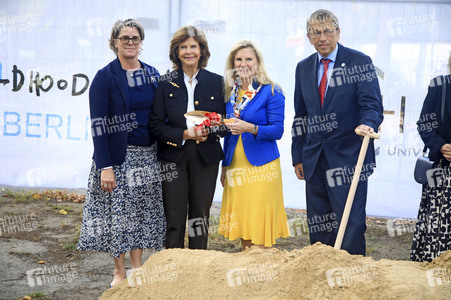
<point x="174" y="84"/>
<point x="343" y="64"/>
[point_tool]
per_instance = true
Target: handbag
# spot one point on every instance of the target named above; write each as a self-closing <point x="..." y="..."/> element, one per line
<point x="423" y="163"/>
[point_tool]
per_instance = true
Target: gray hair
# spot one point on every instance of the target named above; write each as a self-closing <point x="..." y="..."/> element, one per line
<point x="321" y="15"/>
<point x="117" y="28"/>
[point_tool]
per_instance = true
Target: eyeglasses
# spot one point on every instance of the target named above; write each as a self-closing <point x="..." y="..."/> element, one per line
<point x="327" y="33"/>
<point x="125" y="39"/>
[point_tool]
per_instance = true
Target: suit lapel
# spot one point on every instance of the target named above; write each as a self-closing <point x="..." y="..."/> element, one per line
<point x="313" y="66"/>
<point x="340" y="62"/>
<point x="120" y="80"/>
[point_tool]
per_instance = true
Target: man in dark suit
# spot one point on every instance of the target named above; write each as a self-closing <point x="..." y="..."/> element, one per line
<point x="336" y="92"/>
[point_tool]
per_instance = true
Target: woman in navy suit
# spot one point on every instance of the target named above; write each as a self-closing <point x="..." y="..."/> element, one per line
<point x="123" y="211"/>
<point x="191" y="156"/>
<point x="433" y="229"/>
<point x="252" y="203"/>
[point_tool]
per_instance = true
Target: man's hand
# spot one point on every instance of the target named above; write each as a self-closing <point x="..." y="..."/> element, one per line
<point x="299" y="170"/>
<point x="446" y="151"/>
<point x="364" y="129"/>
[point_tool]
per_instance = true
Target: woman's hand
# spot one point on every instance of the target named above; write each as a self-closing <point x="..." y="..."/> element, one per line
<point x="223" y="174"/>
<point x="192" y="133"/>
<point x="446" y="151"/>
<point x="108" y="180"/>
<point x="239" y="126"/>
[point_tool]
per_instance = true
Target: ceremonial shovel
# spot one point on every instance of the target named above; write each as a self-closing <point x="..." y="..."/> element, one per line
<point x="352" y="189"/>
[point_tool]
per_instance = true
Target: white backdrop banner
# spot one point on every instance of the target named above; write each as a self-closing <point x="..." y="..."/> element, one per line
<point x="51" y="50"/>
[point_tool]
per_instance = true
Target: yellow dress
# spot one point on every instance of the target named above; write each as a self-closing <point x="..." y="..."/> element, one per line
<point x="252" y="201"/>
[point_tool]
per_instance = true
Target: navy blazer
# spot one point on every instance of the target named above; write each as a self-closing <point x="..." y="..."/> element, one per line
<point x="167" y="120"/>
<point x="434" y="131"/>
<point x="110" y="117"/>
<point x="268" y="112"/>
<point x="350" y="101"/>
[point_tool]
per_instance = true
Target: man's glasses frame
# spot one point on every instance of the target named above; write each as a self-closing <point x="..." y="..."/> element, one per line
<point x="327" y="33"/>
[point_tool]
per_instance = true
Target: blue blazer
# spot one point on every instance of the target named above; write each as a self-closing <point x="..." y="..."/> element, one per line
<point x="434" y="131"/>
<point x="109" y="109"/>
<point x="350" y="101"/>
<point x="268" y="112"/>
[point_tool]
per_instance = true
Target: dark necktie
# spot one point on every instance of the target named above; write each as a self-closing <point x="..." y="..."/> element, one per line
<point x="323" y="83"/>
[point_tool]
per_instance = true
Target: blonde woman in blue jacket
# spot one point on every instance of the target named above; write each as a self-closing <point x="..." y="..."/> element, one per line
<point x="252" y="202"/>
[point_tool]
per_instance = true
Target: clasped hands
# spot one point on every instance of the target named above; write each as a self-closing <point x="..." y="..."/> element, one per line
<point x="200" y="133"/>
<point x="239" y="126"/>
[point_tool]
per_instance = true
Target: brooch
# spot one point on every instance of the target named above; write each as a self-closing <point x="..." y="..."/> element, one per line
<point x="173" y="84"/>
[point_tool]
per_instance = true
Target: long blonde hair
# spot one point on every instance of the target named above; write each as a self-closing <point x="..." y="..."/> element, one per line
<point x="230" y="74"/>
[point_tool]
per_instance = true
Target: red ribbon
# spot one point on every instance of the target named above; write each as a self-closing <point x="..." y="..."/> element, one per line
<point x="207" y="122"/>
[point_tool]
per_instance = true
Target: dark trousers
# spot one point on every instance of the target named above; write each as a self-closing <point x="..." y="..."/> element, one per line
<point x="326" y="200"/>
<point x="188" y="193"/>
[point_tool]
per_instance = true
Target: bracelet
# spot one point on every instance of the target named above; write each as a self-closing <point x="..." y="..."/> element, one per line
<point x="254" y="130"/>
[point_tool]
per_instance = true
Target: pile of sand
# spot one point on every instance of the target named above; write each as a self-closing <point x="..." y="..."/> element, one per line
<point x="314" y="272"/>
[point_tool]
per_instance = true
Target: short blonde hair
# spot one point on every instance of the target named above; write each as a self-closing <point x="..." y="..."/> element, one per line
<point x="230" y="75"/>
<point x="117" y="28"/>
<point x="181" y="35"/>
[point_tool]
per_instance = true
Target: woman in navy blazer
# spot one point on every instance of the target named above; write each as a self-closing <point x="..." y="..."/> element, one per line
<point x="432" y="231"/>
<point x="252" y="203"/>
<point x="191" y="155"/>
<point x="123" y="211"/>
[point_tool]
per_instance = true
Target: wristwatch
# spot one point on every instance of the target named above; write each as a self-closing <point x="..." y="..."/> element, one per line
<point x="254" y="130"/>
